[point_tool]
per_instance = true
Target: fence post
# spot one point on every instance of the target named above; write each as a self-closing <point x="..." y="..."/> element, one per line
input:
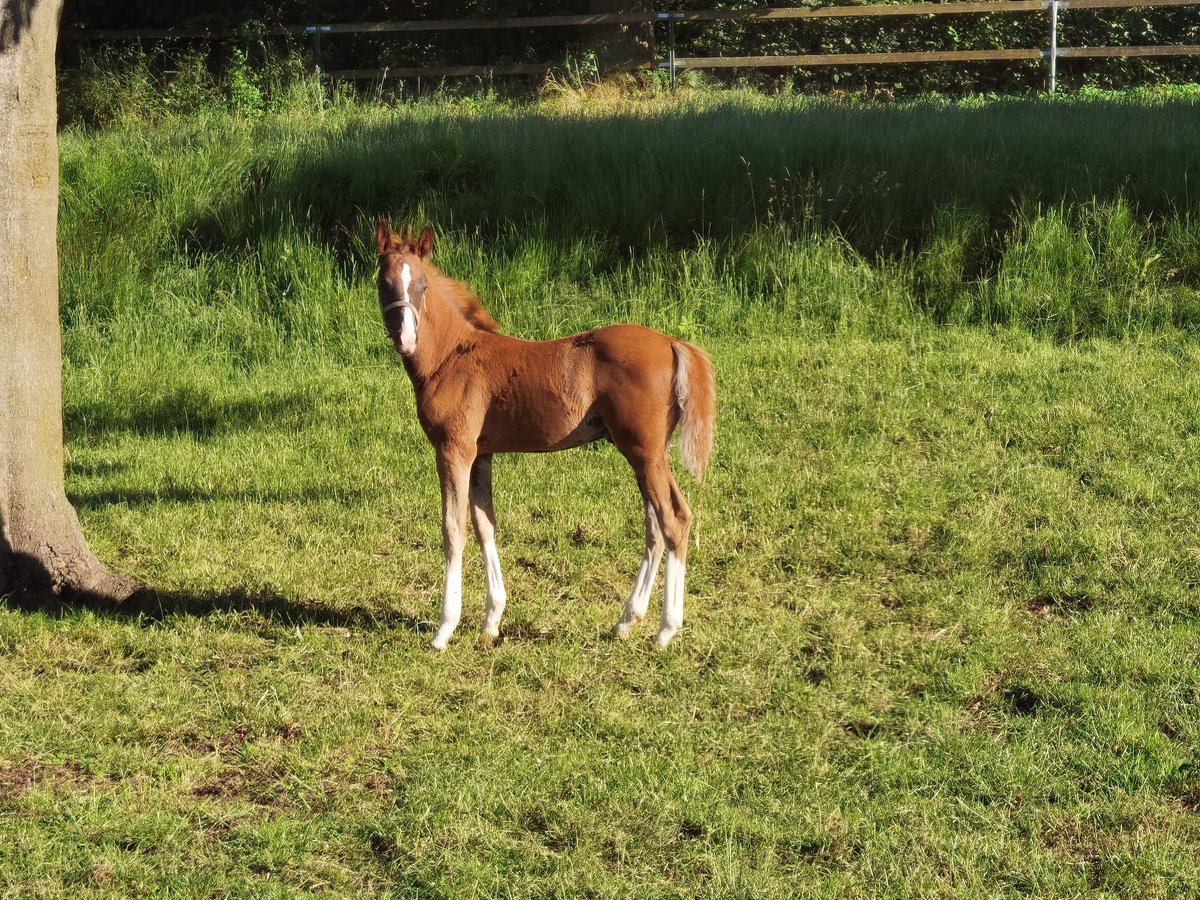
<point x="315" y="31"/>
<point x="1053" y="4"/>
<point x="669" y="18"/>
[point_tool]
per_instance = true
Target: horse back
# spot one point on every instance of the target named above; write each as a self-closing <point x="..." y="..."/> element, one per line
<point x="629" y="355"/>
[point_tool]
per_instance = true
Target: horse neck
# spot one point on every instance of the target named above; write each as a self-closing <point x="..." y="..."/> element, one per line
<point x="443" y="329"/>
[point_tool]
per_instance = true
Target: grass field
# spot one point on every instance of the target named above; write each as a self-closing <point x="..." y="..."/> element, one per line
<point x="942" y="623"/>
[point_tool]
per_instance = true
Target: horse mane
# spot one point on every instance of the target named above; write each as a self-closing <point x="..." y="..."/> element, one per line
<point x="463" y="299"/>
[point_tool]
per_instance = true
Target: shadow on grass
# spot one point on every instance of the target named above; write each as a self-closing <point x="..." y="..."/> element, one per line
<point x="101" y="498"/>
<point x="156" y="605"/>
<point x="875" y="175"/>
<point x="31" y="590"/>
<point x="185" y="410"/>
<point x="152" y="605"/>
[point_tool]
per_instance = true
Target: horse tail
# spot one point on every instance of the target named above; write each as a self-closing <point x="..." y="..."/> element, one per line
<point x="696" y="401"/>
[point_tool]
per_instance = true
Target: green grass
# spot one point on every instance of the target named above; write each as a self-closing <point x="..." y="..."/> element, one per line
<point x="941" y="639"/>
<point x="942" y="606"/>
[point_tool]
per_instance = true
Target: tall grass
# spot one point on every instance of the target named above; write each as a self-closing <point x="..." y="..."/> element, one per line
<point x="246" y="238"/>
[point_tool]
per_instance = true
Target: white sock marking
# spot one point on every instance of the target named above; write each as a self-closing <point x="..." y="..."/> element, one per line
<point x="643" y="585"/>
<point x="672" y="614"/>
<point x="496" y="595"/>
<point x="451" y="603"/>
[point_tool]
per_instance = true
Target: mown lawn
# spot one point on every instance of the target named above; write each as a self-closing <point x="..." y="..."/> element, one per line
<point x="941" y="640"/>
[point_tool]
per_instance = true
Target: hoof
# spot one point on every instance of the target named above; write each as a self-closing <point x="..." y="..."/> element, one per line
<point x="625" y="625"/>
<point x="487" y="641"/>
<point x="663" y="638"/>
<point x="438" y="644"/>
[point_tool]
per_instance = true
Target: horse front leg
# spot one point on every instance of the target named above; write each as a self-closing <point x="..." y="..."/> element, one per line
<point x="454" y="470"/>
<point x="483" y="516"/>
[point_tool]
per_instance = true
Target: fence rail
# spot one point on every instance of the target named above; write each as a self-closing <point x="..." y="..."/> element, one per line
<point x="672" y="18"/>
<point x="931" y="56"/>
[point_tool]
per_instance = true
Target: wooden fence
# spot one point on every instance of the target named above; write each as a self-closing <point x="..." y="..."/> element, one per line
<point x="1051" y="54"/>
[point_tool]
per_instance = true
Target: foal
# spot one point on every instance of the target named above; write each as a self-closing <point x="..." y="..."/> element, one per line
<point x="479" y="392"/>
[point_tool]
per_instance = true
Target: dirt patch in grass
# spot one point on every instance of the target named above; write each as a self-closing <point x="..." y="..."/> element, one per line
<point x="240" y="736"/>
<point x="519" y="632"/>
<point x="863" y="728"/>
<point x="1059" y="605"/>
<point x="17" y="779"/>
<point x="261" y="785"/>
<point x="222" y="743"/>
<point x="1023" y="700"/>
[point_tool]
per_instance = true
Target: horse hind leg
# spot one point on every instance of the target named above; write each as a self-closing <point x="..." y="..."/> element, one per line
<point x="676" y="520"/>
<point x="483" y="517"/>
<point x="643" y="585"/>
<point x="666" y="508"/>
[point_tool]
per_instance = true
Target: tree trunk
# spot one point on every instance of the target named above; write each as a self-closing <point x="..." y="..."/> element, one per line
<point x="42" y="550"/>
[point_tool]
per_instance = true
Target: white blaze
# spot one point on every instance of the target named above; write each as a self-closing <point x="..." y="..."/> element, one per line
<point x="408" y="326"/>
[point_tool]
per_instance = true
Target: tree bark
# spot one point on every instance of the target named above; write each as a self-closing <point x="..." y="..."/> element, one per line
<point x="42" y="549"/>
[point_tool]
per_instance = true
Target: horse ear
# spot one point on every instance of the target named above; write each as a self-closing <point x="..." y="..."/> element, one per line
<point x="425" y="242"/>
<point x="383" y="236"/>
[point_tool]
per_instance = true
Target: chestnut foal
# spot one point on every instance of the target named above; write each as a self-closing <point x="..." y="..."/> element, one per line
<point x="479" y="392"/>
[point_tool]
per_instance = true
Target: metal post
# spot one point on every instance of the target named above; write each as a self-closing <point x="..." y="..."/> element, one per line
<point x="669" y="18"/>
<point x="1053" y="45"/>
<point x="316" y="31"/>
<point x="671" y="49"/>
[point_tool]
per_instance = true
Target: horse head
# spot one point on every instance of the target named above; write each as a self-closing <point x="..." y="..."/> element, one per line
<point x="402" y="283"/>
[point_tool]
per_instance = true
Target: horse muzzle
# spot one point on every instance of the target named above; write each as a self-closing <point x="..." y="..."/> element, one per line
<point x="405" y="339"/>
